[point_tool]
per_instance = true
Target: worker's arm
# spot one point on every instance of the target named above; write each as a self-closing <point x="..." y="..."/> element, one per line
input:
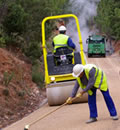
<point x="91" y="80"/>
<point x="75" y="89"/>
<point x="70" y="43"/>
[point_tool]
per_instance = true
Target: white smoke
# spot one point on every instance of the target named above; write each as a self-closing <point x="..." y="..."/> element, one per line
<point x="84" y="10"/>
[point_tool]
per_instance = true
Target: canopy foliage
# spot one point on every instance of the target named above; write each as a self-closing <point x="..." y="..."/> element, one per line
<point x="108" y="17"/>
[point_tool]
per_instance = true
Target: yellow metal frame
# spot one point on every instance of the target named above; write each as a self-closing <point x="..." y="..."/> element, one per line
<point x="65" y="76"/>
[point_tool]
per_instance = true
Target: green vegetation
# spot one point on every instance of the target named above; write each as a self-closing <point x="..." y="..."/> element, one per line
<point x="108" y="17"/>
<point x="15" y="20"/>
<point x="7" y="78"/>
<point x="20" y="26"/>
<point x="37" y="76"/>
<point x="33" y="51"/>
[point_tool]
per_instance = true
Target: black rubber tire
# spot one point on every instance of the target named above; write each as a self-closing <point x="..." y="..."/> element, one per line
<point x="50" y="63"/>
<point x="89" y="55"/>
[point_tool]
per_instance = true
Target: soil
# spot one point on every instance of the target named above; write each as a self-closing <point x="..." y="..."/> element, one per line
<point x="117" y="46"/>
<point x="19" y="95"/>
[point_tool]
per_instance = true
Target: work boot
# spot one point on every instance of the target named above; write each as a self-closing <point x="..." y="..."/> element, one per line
<point x="115" y="117"/>
<point x="91" y="120"/>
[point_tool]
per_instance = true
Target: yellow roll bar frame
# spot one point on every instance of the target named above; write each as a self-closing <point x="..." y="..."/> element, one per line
<point x="47" y="77"/>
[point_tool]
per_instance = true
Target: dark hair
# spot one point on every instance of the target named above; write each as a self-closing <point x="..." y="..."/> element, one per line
<point x="62" y="32"/>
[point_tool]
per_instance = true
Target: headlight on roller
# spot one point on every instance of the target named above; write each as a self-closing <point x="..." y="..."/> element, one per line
<point x="52" y="78"/>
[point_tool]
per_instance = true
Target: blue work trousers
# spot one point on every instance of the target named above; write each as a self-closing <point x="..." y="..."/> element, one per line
<point x="108" y="100"/>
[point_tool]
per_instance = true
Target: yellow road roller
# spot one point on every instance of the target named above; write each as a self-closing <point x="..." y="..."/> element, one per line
<point x="58" y="77"/>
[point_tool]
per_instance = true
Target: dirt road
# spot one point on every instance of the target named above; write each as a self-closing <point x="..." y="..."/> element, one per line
<point x="73" y="117"/>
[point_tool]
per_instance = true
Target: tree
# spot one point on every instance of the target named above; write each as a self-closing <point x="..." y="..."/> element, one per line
<point x="15" y="20"/>
<point x="108" y="17"/>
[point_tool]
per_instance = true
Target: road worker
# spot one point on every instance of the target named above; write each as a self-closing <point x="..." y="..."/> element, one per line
<point x="62" y="40"/>
<point x="90" y="78"/>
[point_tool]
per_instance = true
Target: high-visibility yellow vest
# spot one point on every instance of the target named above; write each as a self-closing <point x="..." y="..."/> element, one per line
<point x="60" y="41"/>
<point x="100" y="78"/>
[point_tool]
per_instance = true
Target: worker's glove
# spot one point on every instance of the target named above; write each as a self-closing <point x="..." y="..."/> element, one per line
<point x="69" y="100"/>
<point x="78" y="95"/>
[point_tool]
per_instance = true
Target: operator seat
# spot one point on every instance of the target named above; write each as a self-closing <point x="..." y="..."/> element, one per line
<point x="63" y="51"/>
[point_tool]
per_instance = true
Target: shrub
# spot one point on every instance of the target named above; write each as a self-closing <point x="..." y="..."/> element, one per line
<point x="33" y="51"/>
<point x="2" y="42"/>
<point x="37" y="76"/>
<point x="2" y="36"/>
<point x="15" y="20"/>
<point x="7" y="78"/>
<point x="14" y="40"/>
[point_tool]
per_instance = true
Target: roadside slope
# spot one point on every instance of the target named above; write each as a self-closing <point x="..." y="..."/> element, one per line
<point x="19" y="95"/>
